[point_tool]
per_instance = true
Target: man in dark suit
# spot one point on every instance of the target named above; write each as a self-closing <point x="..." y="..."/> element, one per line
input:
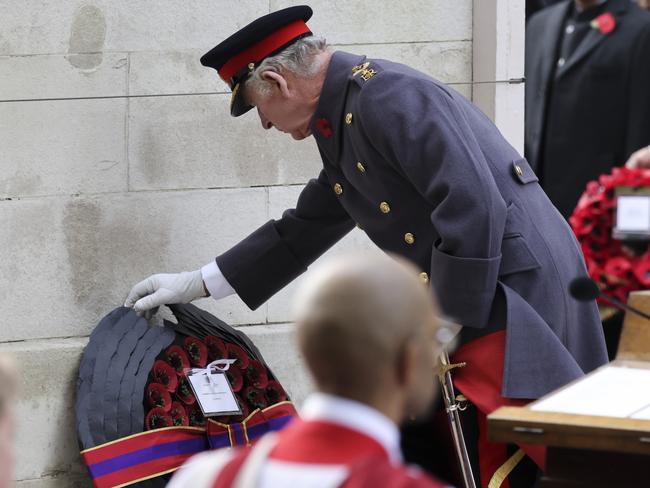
<point x="587" y="92"/>
<point x="427" y="176"/>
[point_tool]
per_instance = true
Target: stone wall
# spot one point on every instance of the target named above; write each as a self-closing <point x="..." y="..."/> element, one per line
<point x="119" y="159"/>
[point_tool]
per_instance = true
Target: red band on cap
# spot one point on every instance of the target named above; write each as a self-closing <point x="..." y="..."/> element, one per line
<point x="263" y="48"/>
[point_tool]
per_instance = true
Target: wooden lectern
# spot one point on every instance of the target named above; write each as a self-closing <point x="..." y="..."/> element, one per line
<point x="596" y="429"/>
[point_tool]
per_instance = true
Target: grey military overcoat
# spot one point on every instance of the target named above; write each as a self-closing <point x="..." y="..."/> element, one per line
<point x="428" y="176"/>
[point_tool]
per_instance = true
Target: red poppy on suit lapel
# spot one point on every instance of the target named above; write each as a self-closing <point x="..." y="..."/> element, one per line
<point x="605" y="23"/>
<point x="324" y="127"/>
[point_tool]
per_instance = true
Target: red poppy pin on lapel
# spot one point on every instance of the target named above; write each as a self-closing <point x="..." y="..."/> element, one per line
<point x="324" y="127"/>
<point x="605" y="23"/>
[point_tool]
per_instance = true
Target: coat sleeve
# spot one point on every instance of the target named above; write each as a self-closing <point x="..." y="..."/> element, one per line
<point x="280" y="250"/>
<point x="430" y="141"/>
<point x="638" y="129"/>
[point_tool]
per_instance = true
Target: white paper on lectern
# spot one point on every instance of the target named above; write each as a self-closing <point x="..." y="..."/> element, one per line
<point x="633" y="213"/>
<point x="610" y="392"/>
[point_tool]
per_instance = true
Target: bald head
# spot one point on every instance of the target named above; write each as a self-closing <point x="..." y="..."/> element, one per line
<point x="358" y="318"/>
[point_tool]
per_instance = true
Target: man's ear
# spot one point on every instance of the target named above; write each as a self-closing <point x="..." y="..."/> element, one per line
<point x="278" y="80"/>
<point x="406" y="364"/>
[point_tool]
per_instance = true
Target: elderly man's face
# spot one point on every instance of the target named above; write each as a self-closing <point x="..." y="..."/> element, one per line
<point x="286" y="107"/>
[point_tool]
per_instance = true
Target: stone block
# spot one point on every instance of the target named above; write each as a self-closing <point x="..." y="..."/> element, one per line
<point x="344" y="22"/>
<point x="46" y="441"/>
<point x="280" y="305"/>
<point x="121" y="25"/>
<point x="62" y="147"/>
<point x="193" y="142"/>
<point x="181" y="72"/>
<point x="152" y="73"/>
<point x="66" y="262"/>
<point x="449" y="62"/>
<point x="60" y="76"/>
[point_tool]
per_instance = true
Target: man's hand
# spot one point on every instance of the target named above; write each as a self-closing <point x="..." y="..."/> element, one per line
<point x="162" y="289"/>
<point x="640" y="159"/>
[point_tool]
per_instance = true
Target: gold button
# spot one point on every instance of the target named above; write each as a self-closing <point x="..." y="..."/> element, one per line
<point x="361" y="167"/>
<point x="409" y="238"/>
<point x="519" y="171"/>
<point x="384" y="207"/>
<point x="424" y="278"/>
<point x="348" y="118"/>
<point x="338" y="189"/>
<point x="251" y="66"/>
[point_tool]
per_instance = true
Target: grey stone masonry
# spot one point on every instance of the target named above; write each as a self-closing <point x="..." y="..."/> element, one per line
<point x="119" y="159"/>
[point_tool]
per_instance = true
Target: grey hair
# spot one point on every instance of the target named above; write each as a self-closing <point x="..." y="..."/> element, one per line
<point x="298" y="58"/>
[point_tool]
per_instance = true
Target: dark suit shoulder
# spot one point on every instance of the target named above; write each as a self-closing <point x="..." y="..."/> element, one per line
<point x="539" y="21"/>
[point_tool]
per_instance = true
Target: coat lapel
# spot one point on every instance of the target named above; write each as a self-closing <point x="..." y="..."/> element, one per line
<point x="327" y="121"/>
<point x="593" y="39"/>
<point x="550" y="43"/>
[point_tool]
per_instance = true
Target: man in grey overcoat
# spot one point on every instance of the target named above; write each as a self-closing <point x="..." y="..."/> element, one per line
<point x="427" y="176"/>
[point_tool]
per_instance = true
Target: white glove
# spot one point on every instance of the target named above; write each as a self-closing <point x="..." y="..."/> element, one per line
<point x="162" y="289"/>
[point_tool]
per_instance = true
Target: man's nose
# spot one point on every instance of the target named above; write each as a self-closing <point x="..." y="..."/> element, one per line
<point x="266" y="123"/>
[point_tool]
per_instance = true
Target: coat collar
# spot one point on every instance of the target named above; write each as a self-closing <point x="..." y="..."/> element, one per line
<point x="355" y="416"/>
<point x="618" y="8"/>
<point x="327" y="120"/>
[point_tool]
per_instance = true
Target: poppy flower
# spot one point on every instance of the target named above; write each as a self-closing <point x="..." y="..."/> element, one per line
<point x="184" y="392"/>
<point x="256" y="374"/>
<point x="324" y="127"/>
<point x="195" y="416"/>
<point x="177" y="358"/>
<point x="179" y="414"/>
<point x="236" y="352"/>
<point x="158" y="397"/>
<point x="165" y="374"/>
<point x="275" y="393"/>
<point x="157" y="418"/>
<point x="216" y="348"/>
<point x="235" y="378"/>
<point x="255" y="398"/>
<point x="197" y="352"/>
<point x="605" y="23"/>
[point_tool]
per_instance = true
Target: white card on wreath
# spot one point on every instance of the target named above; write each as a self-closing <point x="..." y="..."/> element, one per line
<point x="213" y="393"/>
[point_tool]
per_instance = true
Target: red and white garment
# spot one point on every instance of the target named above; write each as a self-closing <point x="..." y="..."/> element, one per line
<point x="338" y="443"/>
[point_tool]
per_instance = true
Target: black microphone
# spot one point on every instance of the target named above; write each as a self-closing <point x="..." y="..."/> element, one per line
<point x="585" y="289"/>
